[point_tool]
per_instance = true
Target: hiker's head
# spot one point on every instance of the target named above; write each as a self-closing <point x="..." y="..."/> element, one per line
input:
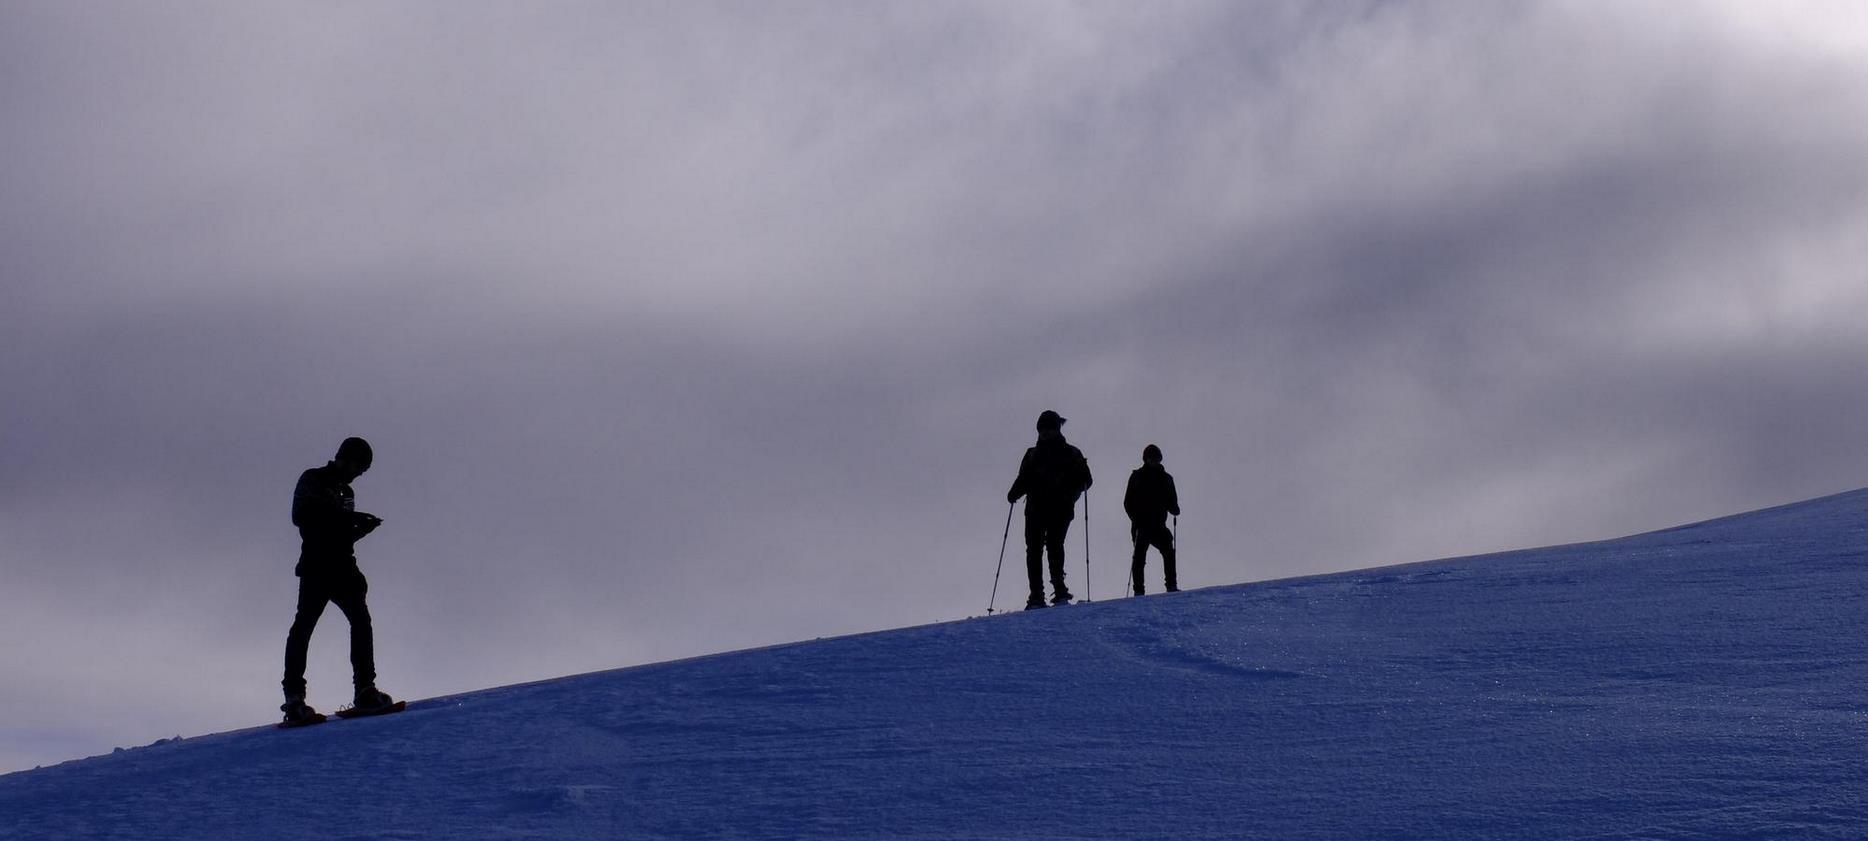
<point x="355" y="455"/>
<point x="1151" y="454"/>
<point x="1049" y="421"/>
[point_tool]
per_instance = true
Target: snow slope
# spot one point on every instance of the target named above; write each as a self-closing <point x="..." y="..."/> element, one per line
<point x="1699" y="682"/>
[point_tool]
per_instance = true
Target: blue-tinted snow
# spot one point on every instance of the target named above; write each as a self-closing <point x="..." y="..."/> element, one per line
<point x="1701" y="682"/>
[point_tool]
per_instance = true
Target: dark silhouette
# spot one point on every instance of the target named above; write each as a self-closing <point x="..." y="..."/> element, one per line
<point x="1052" y="475"/>
<point x="1149" y="500"/>
<point x="324" y="509"/>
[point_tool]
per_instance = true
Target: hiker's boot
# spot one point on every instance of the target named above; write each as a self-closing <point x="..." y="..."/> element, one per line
<point x="298" y="714"/>
<point x="370" y="699"/>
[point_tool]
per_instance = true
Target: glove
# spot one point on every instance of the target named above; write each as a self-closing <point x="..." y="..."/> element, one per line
<point x="1010" y="498"/>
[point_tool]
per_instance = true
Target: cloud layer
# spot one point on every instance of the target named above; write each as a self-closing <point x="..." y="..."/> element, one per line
<point x="687" y="327"/>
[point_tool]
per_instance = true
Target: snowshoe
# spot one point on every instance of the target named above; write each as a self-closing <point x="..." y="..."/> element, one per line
<point x="299" y="715"/>
<point x="372" y="701"/>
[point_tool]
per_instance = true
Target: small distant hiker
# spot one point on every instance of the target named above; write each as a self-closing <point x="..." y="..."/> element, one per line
<point x="1148" y="501"/>
<point x="1051" y="477"/>
<point x="324" y="509"/>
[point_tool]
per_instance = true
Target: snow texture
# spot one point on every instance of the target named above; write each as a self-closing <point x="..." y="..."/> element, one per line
<point x="1700" y="682"/>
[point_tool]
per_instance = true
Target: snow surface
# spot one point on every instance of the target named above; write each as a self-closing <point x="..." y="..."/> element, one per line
<point x="1699" y="682"/>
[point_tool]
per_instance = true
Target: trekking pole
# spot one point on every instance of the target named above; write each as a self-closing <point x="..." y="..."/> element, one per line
<point x="1001" y="566"/>
<point x="1129" y="588"/>
<point x="1086" y="545"/>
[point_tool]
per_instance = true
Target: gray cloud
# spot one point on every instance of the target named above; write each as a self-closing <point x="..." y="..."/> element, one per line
<point x="681" y="328"/>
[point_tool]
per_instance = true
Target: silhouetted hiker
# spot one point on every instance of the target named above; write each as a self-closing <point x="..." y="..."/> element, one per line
<point x="324" y="509"/>
<point x="1149" y="500"/>
<point x="1053" y="474"/>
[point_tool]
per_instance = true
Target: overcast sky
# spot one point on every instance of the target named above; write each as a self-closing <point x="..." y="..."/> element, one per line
<point x="685" y="327"/>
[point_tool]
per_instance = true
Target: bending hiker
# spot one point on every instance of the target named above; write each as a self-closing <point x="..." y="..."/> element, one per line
<point x="324" y="509"/>
<point x="1149" y="500"/>
<point x="1052" y="475"/>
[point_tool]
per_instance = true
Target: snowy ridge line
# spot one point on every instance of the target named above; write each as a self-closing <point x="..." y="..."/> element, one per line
<point x="1679" y="683"/>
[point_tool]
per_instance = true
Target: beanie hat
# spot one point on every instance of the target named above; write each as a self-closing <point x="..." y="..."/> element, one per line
<point x="1151" y="453"/>
<point x="356" y="451"/>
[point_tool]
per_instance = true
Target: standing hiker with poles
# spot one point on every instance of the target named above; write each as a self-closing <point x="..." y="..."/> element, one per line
<point x="1149" y="500"/>
<point x="1051" y="477"/>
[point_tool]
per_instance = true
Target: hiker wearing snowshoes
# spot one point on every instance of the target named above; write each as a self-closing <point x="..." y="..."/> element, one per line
<point x="1149" y="500"/>
<point x="1051" y="477"/>
<point x="324" y="510"/>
